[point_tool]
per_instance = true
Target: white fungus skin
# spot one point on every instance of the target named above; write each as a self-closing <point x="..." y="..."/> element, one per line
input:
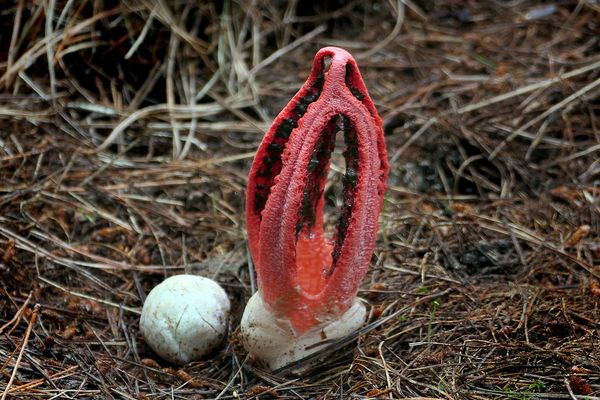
<point x="272" y="342"/>
<point x="184" y="318"/>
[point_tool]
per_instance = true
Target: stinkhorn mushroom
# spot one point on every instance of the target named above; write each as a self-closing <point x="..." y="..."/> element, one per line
<point x="308" y="282"/>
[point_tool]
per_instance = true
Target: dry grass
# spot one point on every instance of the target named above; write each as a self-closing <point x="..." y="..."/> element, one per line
<point x="126" y="133"/>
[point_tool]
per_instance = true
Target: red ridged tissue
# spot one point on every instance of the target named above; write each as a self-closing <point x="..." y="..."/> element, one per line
<point x="304" y="276"/>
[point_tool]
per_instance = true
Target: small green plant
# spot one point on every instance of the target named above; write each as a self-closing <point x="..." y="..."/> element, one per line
<point x="435" y="306"/>
<point x="485" y="61"/>
<point x="422" y="290"/>
<point x="90" y="217"/>
<point x="512" y="394"/>
<point x="537" y="386"/>
<point x="446" y="209"/>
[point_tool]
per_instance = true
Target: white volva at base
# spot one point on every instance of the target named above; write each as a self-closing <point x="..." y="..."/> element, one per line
<point x="272" y="340"/>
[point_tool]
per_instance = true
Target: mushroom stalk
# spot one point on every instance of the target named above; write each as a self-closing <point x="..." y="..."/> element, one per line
<point x="307" y="281"/>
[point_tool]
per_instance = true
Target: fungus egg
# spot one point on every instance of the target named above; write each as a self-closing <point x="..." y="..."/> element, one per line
<point x="185" y="318"/>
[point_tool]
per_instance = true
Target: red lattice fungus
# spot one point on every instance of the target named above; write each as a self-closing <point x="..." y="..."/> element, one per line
<point x="302" y="275"/>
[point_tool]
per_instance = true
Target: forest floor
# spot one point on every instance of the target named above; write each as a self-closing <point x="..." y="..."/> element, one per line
<point x="127" y="130"/>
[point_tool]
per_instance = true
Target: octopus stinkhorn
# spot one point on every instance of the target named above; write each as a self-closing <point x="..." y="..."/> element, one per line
<point x="307" y="281"/>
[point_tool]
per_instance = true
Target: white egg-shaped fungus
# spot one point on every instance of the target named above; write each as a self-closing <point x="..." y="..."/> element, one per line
<point x="185" y="317"/>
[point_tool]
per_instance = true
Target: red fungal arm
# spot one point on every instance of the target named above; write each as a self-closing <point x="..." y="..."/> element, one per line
<point x="302" y="275"/>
